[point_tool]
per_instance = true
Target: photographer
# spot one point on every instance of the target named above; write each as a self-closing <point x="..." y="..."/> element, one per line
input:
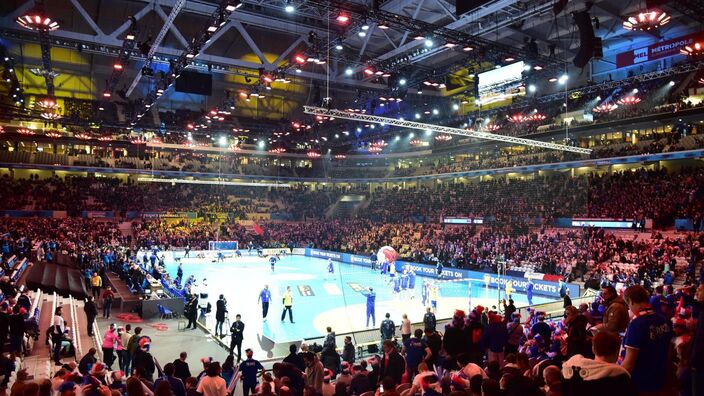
<point x="220" y="314"/>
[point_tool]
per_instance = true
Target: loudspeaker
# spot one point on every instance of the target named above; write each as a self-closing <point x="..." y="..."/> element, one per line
<point x="195" y="83"/>
<point x="598" y="48"/>
<point x="586" y="38"/>
<point x="465" y="6"/>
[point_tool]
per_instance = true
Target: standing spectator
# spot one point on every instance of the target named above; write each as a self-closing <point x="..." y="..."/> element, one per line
<point x="392" y="365"/>
<point x="212" y="384"/>
<point x="616" y="313"/>
<point x="16" y="320"/>
<point x="495" y="339"/>
<point x="577" y="342"/>
<point x="220" y="314"/>
<point x="126" y="360"/>
<point x="181" y="370"/>
<point x="110" y="341"/>
<point x="330" y="339"/>
<point x="249" y="369"/>
<point x="647" y="343"/>
<point x="515" y="334"/>
<point x="314" y="371"/>
<point x="91" y="311"/>
<point x="133" y="343"/>
<point x="415" y="351"/>
<point x="405" y="329"/>
<point x="108" y="297"/>
<point x="57" y="333"/>
<point x="143" y="360"/>
<point x="348" y="351"/>
<point x="176" y="384"/>
<point x="96" y="283"/>
<point x="295" y="358"/>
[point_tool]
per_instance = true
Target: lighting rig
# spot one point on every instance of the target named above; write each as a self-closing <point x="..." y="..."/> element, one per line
<point x="433" y="36"/>
<point x="9" y="76"/>
<point x="123" y="58"/>
<point x="37" y="20"/>
<point x="221" y="13"/>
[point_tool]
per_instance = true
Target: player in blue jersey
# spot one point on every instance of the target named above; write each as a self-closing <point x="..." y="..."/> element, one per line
<point x="272" y="261"/>
<point x="371" y="301"/>
<point x="331" y="269"/>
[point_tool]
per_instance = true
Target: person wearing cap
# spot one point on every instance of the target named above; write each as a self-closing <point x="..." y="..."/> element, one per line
<point x="144" y="360"/>
<point x="99" y="371"/>
<point x="249" y="369"/>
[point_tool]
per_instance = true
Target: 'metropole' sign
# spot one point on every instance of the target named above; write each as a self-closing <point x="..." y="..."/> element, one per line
<point x="656" y="51"/>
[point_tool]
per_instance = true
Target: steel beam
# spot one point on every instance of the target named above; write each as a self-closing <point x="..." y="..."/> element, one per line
<point x="346" y="115"/>
<point x="168" y="22"/>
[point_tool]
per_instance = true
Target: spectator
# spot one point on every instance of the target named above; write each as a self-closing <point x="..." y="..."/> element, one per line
<point x="212" y="384"/>
<point x="647" y="343"/>
<point x="175" y="384"/>
<point x="181" y="370"/>
<point x="392" y="364"/>
<point x="616" y="314"/>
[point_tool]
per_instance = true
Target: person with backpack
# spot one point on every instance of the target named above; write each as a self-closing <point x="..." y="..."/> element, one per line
<point x="108" y="297"/>
<point x="133" y="343"/>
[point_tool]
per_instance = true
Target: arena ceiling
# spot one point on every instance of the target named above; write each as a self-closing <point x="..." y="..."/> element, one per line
<point x="262" y="34"/>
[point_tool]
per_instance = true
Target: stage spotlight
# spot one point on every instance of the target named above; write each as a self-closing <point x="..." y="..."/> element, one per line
<point x="339" y="47"/>
<point x="349" y="71"/>
<point x="402" y="81"/>
<point x="563" y="79"/>
<point x="289" y="7"/>
<point x="362" y="33"/>
<point x="435" y="112"/>
<point x="455" y="106"/>
<point x="672" y="83"/>
<point x="343" y="18"/>
<point x="531" y="88"/>
<point x="417" y="116"/>
<point x="233" y="5"/>
<point x="428" y="43"/>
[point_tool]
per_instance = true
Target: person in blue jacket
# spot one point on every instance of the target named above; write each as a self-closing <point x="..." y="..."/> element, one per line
<point x="264" y="298"/>
<point x="373" y="260"/>
<point x="371" y="301"/>
<point x="411" y="282"/>
<point x="529" y="291"/>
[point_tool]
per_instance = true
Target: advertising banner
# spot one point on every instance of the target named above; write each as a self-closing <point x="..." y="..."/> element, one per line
<point x="541" y="287"/>
<point x="656" y="51"/>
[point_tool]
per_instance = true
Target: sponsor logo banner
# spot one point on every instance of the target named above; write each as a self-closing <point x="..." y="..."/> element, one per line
<point x="656" y="51"/>
<point x="541" y="287"/>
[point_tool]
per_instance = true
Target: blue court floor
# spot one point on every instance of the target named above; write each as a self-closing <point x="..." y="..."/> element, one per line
<point x="319" y="299"/>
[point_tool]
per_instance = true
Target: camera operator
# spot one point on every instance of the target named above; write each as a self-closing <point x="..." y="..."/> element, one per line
<point x="220" y="314"/>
